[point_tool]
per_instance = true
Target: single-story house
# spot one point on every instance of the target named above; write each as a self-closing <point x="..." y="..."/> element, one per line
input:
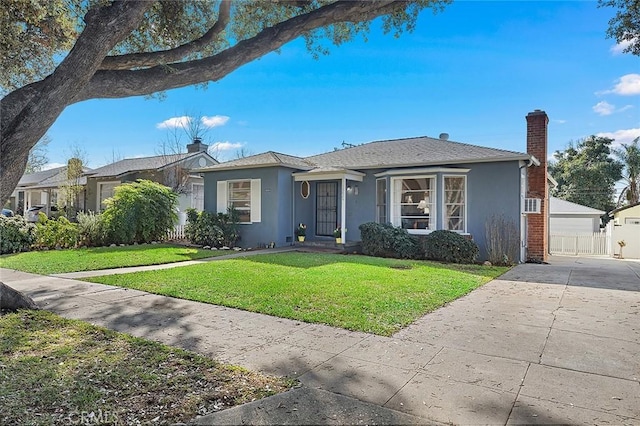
<point x="43" y="188"/>
<point x="626" y="227"/>
<point x="567" y="218"/>
<point x="173" y="170"/>
<point x="421" y="184"/>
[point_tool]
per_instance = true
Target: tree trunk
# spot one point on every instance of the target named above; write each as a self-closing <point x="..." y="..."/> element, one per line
<point x="12" y="300"/>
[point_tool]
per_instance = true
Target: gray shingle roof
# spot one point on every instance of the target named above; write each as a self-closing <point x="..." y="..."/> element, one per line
<point x="37" y="177"/>
<point x="412" y="152"/>
<point x="269" y="158"/>
<point x="129" y="165"/>
<point x="60" y="179"/>
<point x="557" y="206"/>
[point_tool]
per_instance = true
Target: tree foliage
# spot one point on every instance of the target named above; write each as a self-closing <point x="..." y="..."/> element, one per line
<point x="586" y="173"/>
<point x="132" y="48"/>
<point x="629" y="156"/>
<point x="139" y="212"/>
<point x="624" y="27"/>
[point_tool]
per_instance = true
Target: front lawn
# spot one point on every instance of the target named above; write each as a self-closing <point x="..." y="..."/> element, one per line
<point x="91" y="259"/>
<point x="354" y="292"/>
<point x="59" y="371"/>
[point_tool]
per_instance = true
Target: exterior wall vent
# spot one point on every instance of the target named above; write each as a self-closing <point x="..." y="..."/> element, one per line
<point x="532" y="205"/>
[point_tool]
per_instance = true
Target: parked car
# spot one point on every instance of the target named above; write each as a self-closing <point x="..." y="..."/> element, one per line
<point x="32" y="213"/>
<point x="6" y="213"/>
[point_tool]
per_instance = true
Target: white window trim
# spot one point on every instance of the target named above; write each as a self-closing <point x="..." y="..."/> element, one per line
<point x="392" y="202"/>
<point x="444" y="204"/>
<point x="99" y="191"/>
<point x="222" y="198"/>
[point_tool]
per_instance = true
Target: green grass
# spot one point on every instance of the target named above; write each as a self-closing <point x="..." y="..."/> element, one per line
<point x="91" y="259"/>
<point x="354" y="292"/>
<point x="55" y="371"/>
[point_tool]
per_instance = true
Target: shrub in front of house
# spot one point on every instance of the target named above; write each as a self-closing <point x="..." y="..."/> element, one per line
<point x="91" y="229"/>
<point x="139" y="212"/>
<point x="385" y="240"/>
<point x="16" y="234"/>
<point x="55" y="233"/>
<point x="212" y="229"/>
<point x="448" y="246"/>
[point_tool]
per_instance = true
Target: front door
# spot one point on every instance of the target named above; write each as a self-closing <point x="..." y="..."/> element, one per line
<point x="326" y="208"/>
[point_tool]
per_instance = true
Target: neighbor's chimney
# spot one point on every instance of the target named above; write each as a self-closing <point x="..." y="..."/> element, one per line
<point x="197" y="146"/>
<point x="538" y="186"/>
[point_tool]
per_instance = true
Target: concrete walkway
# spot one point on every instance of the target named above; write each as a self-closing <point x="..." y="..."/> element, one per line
<point x="544" y="344"/>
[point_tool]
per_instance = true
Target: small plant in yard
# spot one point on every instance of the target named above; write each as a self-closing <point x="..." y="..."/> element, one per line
<point x="55" y="233"/>
<point x="338" y="232"/>
<point x="91" y="229"/>
<point x="449" y="246"/>
<point x="385" y="240"/>
<point x="212" y="229"/>
<point x="622" y="244"/>
<point x="16" y="234"/>
<point x="301" y="230"/>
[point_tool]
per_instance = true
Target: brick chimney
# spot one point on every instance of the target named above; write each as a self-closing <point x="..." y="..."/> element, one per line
<point x="538" y="186"/>
<point x="197" y="146"/>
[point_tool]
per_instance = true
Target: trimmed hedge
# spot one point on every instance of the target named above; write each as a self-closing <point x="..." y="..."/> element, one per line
<point x="385" y="240"/>
<point x="448" y="246"/>
<point x="212" y="229"/>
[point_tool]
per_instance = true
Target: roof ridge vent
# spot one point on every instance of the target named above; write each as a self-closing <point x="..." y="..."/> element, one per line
<point x="444" y="136"/>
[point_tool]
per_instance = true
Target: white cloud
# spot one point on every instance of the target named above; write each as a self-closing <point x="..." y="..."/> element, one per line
<point x="604" y="108"/>
<point x="174" y="122"/>
<point x="214" y="121"/>
<point x="617" y="49"/>
<point x="559" y="121"/>
<point x="621" y="136"/>
<point x="226" y="146"/>
<point x="627" y="85"/>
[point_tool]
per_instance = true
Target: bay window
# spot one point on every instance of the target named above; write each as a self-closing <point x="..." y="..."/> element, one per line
<point x="455" y="203"/>
<point x="413" y="202"/>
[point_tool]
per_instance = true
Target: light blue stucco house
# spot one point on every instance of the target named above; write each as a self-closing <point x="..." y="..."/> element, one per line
<point x="421" y="184"/>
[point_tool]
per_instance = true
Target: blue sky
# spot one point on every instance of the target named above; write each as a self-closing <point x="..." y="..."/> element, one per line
<point x="474" y="71"/>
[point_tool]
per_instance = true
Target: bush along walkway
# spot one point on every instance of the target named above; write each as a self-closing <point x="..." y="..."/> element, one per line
<point x="521" y="349"/>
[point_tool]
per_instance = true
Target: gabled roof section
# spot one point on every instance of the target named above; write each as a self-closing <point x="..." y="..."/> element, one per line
<point x="619" y="209"/>
<point x="130" y="165"/>
<point x="266" y="159"/>
<point x="559" y="206"/>
<point x="411" y="152"/>
<point x="38" y="177"/>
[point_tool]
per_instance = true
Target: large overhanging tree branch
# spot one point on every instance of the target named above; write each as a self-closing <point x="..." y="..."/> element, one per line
<point x="130" y="48"/>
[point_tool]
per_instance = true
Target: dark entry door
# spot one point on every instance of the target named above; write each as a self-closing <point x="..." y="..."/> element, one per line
<point x="326" y="208"/>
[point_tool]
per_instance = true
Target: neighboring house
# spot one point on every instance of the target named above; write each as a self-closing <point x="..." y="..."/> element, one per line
<point x="567" y="218"/>
<point x="626" y="227"/>
<point x="172" y="170"/>
<point x="421" y="184"/>
<point x="43" y="188"/>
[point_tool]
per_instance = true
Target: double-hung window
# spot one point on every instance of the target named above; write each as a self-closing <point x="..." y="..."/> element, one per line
<point x="413" y="203"/>
<point x="241" y="195"/>
<point x="455" y="198"/>
<point x="105" y="190"/>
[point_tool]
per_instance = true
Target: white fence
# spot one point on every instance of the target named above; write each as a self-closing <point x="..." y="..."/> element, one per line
<point x="596" y="244"/>
<point x="177" y="233"/>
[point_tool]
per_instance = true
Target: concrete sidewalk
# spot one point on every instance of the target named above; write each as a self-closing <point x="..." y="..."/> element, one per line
<point x="554" y="343"/>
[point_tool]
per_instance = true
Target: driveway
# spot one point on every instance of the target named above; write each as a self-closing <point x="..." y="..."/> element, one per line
<point x="555" y="343"/>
